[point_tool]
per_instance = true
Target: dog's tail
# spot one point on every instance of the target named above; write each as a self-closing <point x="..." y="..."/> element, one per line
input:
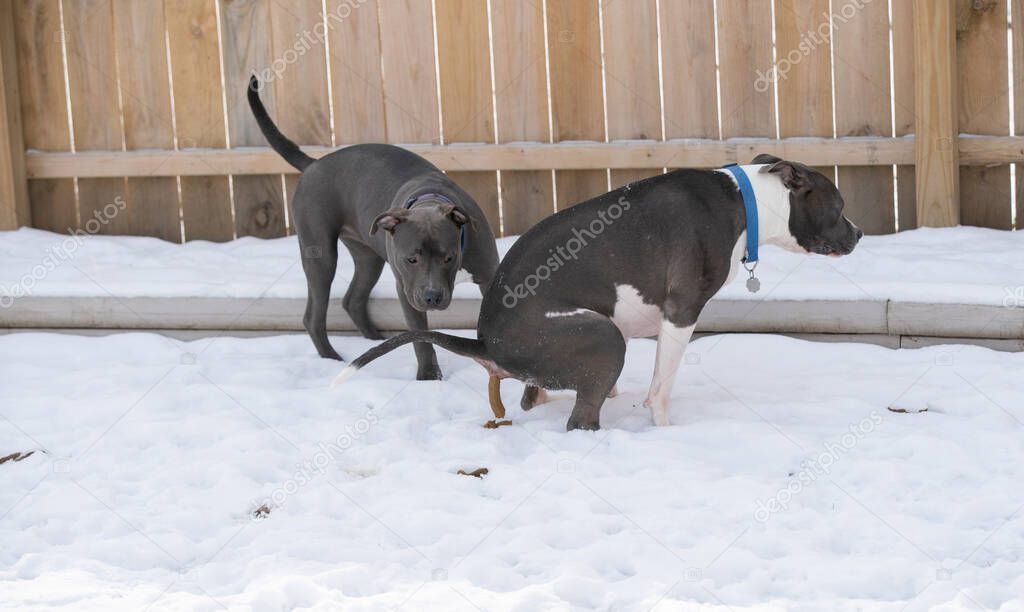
<point x="284" y="147"/>
<point x="467" y="347"/>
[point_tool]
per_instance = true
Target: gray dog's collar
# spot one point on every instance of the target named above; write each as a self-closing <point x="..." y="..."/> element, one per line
<point x="416" y="199"/>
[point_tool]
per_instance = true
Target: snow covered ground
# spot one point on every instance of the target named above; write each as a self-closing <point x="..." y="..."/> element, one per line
<point x="959" y="265"/>
<point x="786" y="483"/>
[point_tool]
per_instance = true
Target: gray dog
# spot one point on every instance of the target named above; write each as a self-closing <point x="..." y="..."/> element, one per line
<point x="431" y="230"/>
<point x="640" y="261"/>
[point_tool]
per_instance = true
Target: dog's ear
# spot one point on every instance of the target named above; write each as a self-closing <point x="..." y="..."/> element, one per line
<point x="764" y="158"/>
<point x="796" y="177"/>
<point x="456" y="214"/>
<point x="388" y="221"/>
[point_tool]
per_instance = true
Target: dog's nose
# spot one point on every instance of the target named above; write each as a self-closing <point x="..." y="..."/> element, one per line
<point x="433" y="297"/>
<point x="860" y="233"/>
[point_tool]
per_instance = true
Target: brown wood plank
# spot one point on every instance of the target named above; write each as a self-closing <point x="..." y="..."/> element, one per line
<point x="688" y="57"/>
<point x="356" y="83"/>
<point x="15" y="209"/>
<point x="300" y="82"/>
<point x="1018" y="87"/>
<point x="984" y="108"/>
<point x="245" y="32"/>
<point x="467" y="111"/>
<point x="199" y="114"/>
<point x="577" y="100"/>
<point x="43" y="107"/>
<point x="522" y="108"/>
<point x="935" y="117"/>
<point x="633" y="87"/>
<point x="152" y="203"/>
<point x="745" y="55"/>
<point x="863" y="108"/>
<point x="410" y="83"/>
<point x="805" y="80"/>
<point x="903" y="93"/>
<point x="95" y="111"/>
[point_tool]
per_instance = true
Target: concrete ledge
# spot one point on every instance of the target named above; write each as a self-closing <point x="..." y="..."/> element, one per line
<point x="791" y="316"/>
<point x="955" y="320"/>
<point x="893" y="324"/>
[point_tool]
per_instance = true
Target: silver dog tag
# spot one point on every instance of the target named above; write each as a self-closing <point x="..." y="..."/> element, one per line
<point x="753" y="284"/>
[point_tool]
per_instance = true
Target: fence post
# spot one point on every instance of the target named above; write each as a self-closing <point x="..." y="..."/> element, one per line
<point x="14" y="209"/>
<point x="936" y="126"/>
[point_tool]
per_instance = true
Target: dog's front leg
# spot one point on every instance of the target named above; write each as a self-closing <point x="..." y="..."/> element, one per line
<point x="426" y="358"/>
<point x="672" y="341"/>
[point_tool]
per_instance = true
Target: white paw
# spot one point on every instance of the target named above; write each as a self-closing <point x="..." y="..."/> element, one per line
<point x="659" y="412"/>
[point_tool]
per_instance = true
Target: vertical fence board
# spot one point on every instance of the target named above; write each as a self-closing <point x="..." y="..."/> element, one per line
<point x="745" y="55"/>
<point x="984" y="108"/>
<point x="903" y="94"/>
<point x="1018" y="89"/>
<point x="199" y="114"/>
<point x="466" y="108"/>
<point x="300" y="81"/>
<point x="936" y="157"/>
<point x="520" y="77"/>
<point x="577" y="99"/>
<point x="688" y="57"/>
<point x="258" y="199"/>
<point x="95" y="111"/>
<point x="357" y="89"/>
<point x="804" y="79"/>
<point x="863" y="108"/>
<point x="632" y="85"/>
<point x="15" y="209"/>
<point x="43" y="107"/>
<point x="410" y="83"/>
<point x="152" y="203"/>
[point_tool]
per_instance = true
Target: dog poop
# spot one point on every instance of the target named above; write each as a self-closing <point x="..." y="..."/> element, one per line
<point x="494" y="424"/>
<point x="478" y="472"/>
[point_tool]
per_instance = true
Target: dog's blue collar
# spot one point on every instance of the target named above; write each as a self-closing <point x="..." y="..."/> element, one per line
<point x="749" y="207"/>
<point x="412" y="201"/>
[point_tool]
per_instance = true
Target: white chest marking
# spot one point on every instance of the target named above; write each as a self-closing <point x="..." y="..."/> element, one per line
<point x="633" y="317"/>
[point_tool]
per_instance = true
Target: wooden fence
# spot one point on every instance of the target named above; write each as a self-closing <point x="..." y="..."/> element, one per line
<point x="129" y="116"/>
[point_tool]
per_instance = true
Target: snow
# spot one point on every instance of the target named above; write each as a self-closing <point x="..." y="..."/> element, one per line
<point x="954" y="265"/>
<point x="785" y="482"/>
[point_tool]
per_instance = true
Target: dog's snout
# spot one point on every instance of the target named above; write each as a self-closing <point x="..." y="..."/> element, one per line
<point x="433" y="297"/>
<point x="860" y="233"/>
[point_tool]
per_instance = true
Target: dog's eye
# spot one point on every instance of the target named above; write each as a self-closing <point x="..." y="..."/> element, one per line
<point x="412" y="260"/>
<point x="448" y="259"/>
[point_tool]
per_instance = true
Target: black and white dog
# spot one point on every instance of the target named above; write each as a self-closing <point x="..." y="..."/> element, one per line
<point x="639" y="261"/>
<point x="431" y="230"/>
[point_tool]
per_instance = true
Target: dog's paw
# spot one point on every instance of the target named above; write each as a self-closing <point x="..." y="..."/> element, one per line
<point x="371" y="333"/>
<point x="659" y="412"/>
<point x="586" y="425"/>
<point x="433" y="373"/>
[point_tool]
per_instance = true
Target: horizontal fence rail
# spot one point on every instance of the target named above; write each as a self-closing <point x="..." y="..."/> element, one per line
<point x="914" y="107"/>
<point x="851" y="151"/>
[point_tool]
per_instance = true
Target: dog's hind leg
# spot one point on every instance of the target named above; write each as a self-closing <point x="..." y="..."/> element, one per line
<point x="584" y="352"/>
<point x="319" y="262"/>
<point x="368" y="266"/>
